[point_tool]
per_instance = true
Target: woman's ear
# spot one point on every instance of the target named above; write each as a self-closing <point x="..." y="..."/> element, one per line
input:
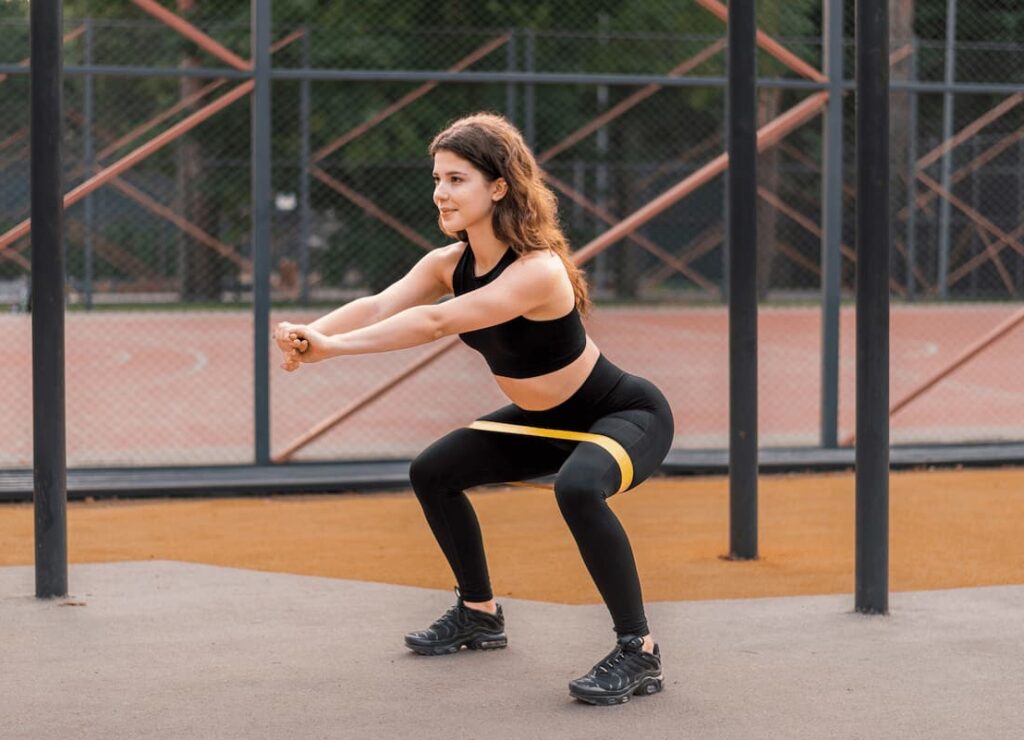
<point x="499" y="188"/>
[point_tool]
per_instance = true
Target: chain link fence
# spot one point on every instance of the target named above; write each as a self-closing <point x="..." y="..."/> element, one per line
<point x="160" y="328"/>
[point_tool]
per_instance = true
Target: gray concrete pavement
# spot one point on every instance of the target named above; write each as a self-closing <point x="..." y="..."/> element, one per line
<point x="176" y="650"/>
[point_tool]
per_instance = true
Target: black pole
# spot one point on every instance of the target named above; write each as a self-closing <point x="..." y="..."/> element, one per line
<point x="873" y="245"/>
<point x="261" y="174"/>
<point x="742" y="223"/>
<point x="831" y="221"/>
<point x="47" y="213"/>
<point x="305" y="105"/>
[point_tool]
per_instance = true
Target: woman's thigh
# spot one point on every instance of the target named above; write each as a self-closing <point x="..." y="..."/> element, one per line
<point x="641" y="436"/>
<point x="470" y="457"/>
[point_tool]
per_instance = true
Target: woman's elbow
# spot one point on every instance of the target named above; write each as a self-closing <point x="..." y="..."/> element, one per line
<point x="435" y="324"/>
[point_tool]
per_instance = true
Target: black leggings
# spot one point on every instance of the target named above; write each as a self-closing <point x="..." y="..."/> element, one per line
<point x="628" y="409"/>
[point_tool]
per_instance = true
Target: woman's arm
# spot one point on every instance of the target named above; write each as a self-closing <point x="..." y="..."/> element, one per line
<point x="353" y="315"/>
<point x="424" y="283"/>
<point x="523" y="287"/>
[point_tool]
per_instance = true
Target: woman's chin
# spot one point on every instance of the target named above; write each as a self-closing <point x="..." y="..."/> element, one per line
<point x="447" y="229"/>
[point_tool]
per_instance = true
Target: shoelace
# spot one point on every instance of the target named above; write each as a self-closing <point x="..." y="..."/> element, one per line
<point x="452" y="615"/>
<point x="611" y="660"/>
<point x="614" y="658"/>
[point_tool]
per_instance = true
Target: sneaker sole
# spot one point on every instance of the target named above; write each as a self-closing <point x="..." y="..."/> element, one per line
<point x="480" y="642"/>
<point x="646" y="687"/>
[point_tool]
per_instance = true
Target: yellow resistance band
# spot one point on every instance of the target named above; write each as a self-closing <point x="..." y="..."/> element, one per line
<point x="608" y="444"/>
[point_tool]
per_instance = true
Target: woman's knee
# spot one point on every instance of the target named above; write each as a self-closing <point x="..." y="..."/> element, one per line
<point x="576" y="493"/>
<point x="426" y="472"/>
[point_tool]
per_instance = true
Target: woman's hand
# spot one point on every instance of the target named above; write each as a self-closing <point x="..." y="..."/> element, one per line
<point x="307" y="345"/>
<point x="285" y="337"/>
<point x="289" y="343"/>
<point x="301" y="344"/>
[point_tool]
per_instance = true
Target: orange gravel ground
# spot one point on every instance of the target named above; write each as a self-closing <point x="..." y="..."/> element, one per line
<point x="948" y="529"/>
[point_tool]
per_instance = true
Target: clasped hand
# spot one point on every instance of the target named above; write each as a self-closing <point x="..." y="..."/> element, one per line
<point x="300" y="344"/>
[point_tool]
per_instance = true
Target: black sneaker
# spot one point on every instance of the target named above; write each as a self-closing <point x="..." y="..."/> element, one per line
<point x="625" y="671"/>
<point x="460" y="626"/>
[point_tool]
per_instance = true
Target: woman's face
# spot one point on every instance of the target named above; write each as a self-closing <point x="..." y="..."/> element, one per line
<point x="463" y="195"/>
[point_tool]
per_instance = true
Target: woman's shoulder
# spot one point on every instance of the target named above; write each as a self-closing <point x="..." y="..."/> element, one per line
<point x="542" y="263"/>
<point x="451" y="251"/>
<point x="445" y="260"/>
<point x="448" y="255"/>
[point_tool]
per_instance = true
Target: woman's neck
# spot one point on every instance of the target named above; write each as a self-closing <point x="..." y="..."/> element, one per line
<point x="487" y="248"/>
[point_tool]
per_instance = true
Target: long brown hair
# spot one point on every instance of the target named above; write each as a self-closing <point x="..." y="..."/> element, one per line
<point x="527" y="217"/>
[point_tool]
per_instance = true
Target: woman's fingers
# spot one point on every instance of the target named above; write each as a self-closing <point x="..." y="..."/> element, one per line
<point x="291" y="361"/>
<point x="283" y="335"/>
<point x="297" y="341"/>
<point x="288" y="337"/>
<point x="292" y="340"/>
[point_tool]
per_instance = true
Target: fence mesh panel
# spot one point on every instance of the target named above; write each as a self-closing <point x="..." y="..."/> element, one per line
<point x="159" y="259"/>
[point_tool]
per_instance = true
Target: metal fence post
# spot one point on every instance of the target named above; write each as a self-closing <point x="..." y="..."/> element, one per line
<point x="873" y="257"/>
<point x="599" y="271"/>
<point x="49" y="448"/>
<point x="510" y="65"/>
<point x="723" y="287"/>
<point x="832" y="223"/>
<point x="912" y="177"/>
<point x="305" y="104"/>
<point x="261" y="152"/>
<point x="976" y="245"/>
<point x="1020" y="209"/>
<point x="530" y="98"/>
<point x="88" y="156"/>
<point x="947" y="158"/>
<point x="742" y="147"/>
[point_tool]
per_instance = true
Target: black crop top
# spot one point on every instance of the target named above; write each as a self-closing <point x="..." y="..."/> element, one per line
<point x="522" y="347"/>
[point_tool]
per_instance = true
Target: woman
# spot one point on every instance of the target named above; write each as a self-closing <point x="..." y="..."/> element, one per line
<point x="518" y="301"/>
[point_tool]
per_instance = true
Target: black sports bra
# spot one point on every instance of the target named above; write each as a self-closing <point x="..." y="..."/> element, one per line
<point x="522" y="347"/>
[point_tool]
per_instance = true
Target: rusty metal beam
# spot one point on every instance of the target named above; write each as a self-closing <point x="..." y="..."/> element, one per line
<point x="665" y="256"/>
<point x="162" y="211"/>
<point x="686" y="157"/>
<point x="767" y="136"/>
<point x="993" y="255"/>
<point x="815" y="230"/>
<point x="182" y="223"/>
<point x="970" y="130"/>
<point x="795" y="256"/>
<point x="1004" y="239"/>
<point x="17" y="258"/>
<point x="193" y="34"/>
<point x="114" y="255"/>
<point x="126" y="163"/>
<point x="966" y="268"/>
<point x="768" y="44"/>
<point x="14" y="138"/>
<point x="405" y="100"/>
<point x="627" y="103"/>
<point x="372" y="208"/>
<point x="68" y="38"/>
<point x="924" y="199"/>
<point x="707" y="240"/>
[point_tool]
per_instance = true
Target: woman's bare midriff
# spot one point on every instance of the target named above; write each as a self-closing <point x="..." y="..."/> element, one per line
<point x="547" y="391"/>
